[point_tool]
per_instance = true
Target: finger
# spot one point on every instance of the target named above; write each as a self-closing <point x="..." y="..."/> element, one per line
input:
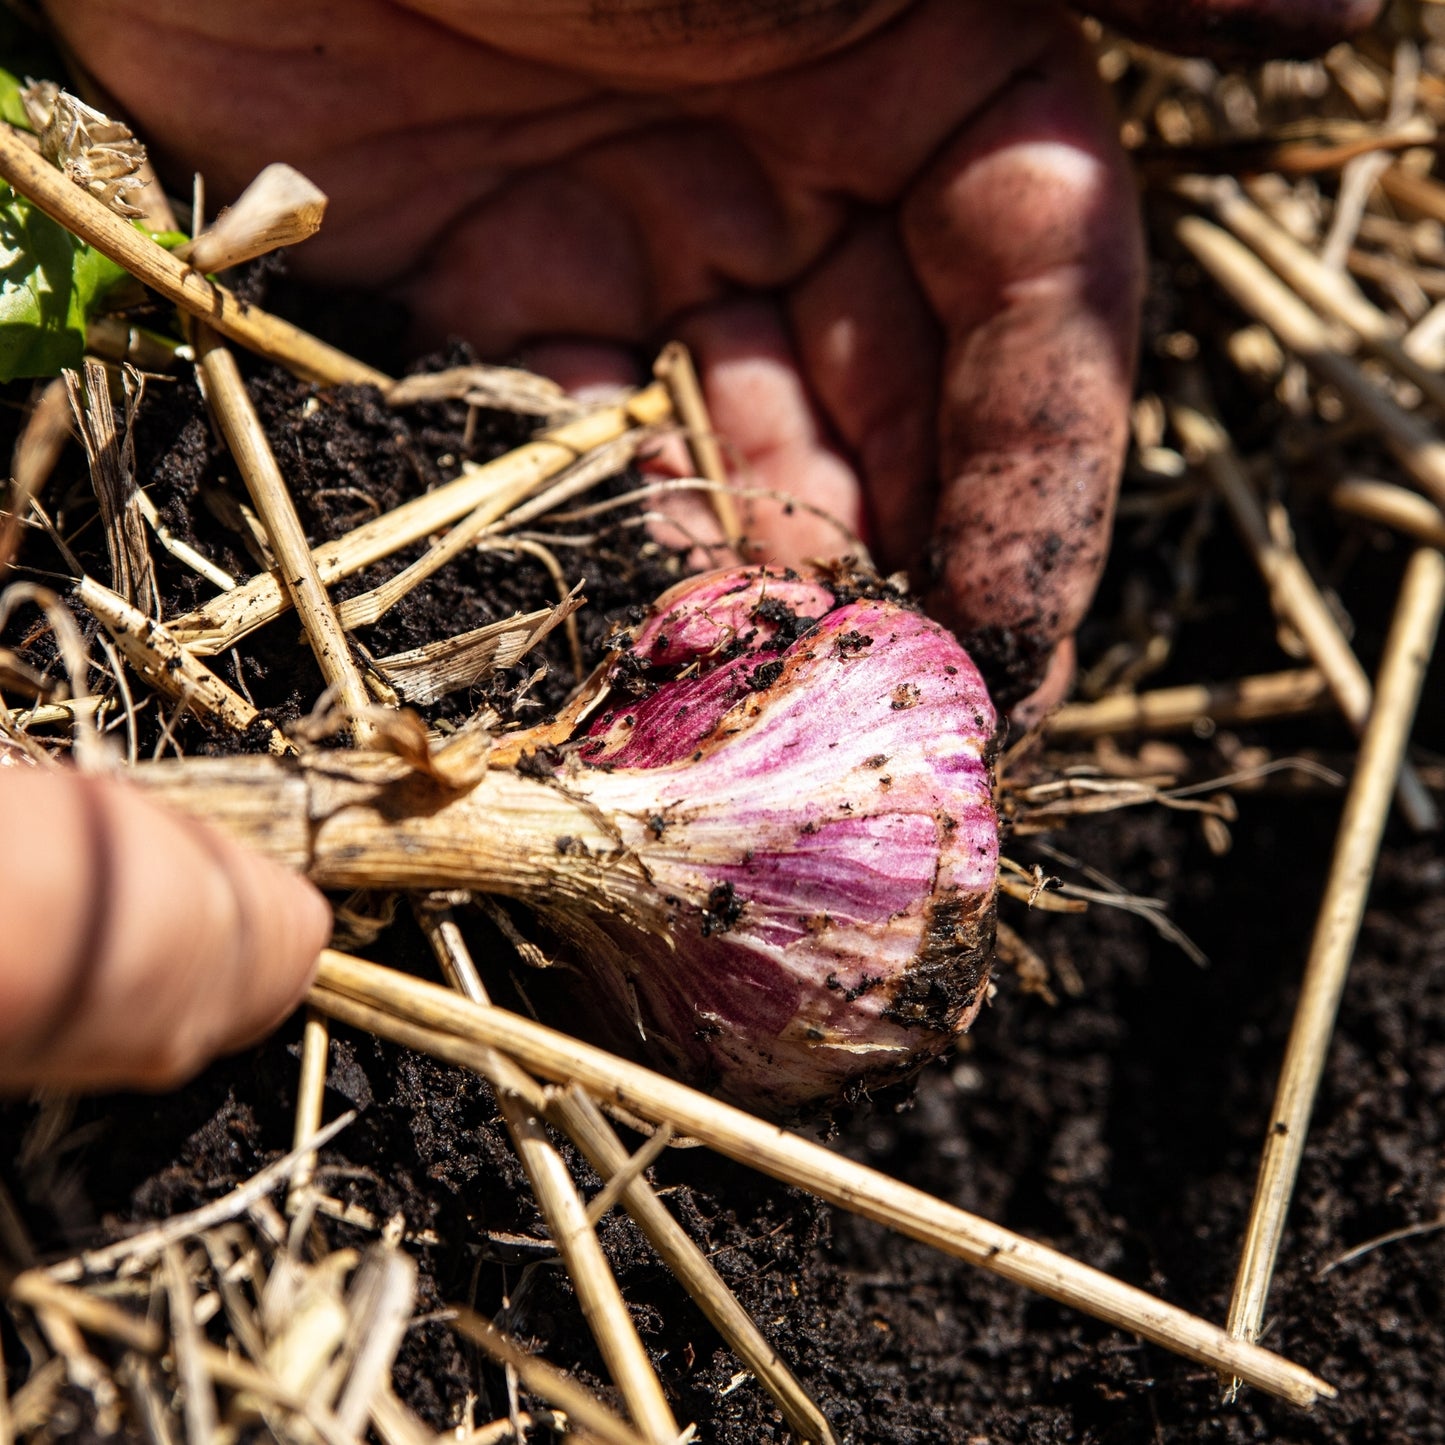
<point x="870" y="351"/>
<point x="1025" y="237"/>
<point x="1052" y="689"/>
<point x="137" y="944"/>
<point x="774" y="437"/>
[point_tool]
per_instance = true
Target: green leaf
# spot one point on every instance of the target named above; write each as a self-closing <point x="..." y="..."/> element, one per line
<point x="49" y="285"/>
<point x="38" y="305"/>
<point x="94" y="276"/>
<point x="11" y="107"/>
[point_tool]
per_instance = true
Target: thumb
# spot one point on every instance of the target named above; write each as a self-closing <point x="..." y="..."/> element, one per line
<point x="137" y="944"/>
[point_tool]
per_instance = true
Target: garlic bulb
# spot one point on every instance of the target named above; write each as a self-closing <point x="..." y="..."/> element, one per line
<point x="808" y="791"/>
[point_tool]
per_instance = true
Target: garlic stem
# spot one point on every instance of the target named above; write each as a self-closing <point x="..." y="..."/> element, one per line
<point x="358" y="820"/>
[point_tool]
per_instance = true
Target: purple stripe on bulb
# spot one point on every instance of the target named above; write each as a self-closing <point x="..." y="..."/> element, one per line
<point x="811" y="801"/>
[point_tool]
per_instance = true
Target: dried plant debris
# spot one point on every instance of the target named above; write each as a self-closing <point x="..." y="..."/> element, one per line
<point x="232" y="1317"/>
<point x="427" y="674"/>
<point x="98" y="153"/>
<point x="504" y="388"/>
<point x="112" y="474"/>
<point x="281" y="207"/>
<point x="355" y="461"/>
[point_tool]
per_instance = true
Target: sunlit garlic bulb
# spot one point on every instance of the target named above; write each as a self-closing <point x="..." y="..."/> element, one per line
<point x="804" y="780"/>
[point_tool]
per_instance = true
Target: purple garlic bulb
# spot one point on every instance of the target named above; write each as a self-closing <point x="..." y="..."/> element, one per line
<point x="800" y="767"/>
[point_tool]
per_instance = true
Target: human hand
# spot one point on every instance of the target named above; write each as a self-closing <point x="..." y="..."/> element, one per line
<point x="899" y="235"/>
<point x="136" y="945"/>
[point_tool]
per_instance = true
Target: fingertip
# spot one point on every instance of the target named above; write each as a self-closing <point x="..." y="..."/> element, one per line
<point x="805" y="500"/>
<point x="308" y="921"/>
<point x="283" y="925"/>
<point x="1058" y="679"/>
<point x="110" y="977"/>
<point x="314" y="921"/>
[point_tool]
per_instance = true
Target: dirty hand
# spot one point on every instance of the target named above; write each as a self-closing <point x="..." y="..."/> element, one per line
<point x="135" y="945"/>
<point x="901" y="237"/>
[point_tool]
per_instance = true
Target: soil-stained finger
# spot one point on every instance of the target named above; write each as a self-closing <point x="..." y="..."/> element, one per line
<point x="1025" y="237"/>
<point x="775" y="439"/>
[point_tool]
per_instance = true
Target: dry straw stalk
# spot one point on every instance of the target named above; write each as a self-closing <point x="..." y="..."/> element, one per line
<point x="236" y="416"/>
<point x="310" y="1103"/>
<point x="568" y="1220"/>
<point x="1402" y="675"/>
<point x="1261" y="293"/>
<point x="279" y="208"/>
<point x="594" y="1136"/>
<point x="240" y="425"/>
<point x="1329" y="291"/>
<point x="602" y="1304"/>
<point x="435" y="1020"/>
<point x="674" y="367"/>
<point x="142" y="1248"/>
<point x="594" y="1418"/>
<point x="157" y="657"/>
<point x="99" y="1317"/>
<point x="1392" y="506"/>
<point x="1169" y="709"/>
<point x="114" y="483"/>
<point x="1292" y="591"/>
<point x="588" y="1128"/>
<point x="498" y="485"/>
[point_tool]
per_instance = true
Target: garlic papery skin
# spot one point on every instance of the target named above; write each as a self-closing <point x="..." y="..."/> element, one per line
<point x="816" y="819"/>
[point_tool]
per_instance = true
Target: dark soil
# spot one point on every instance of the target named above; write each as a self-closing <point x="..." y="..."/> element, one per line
<point x="1121" y="1125"/>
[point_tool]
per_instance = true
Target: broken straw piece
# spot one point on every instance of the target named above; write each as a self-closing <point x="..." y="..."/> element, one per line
<point x="279" y="208"/>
